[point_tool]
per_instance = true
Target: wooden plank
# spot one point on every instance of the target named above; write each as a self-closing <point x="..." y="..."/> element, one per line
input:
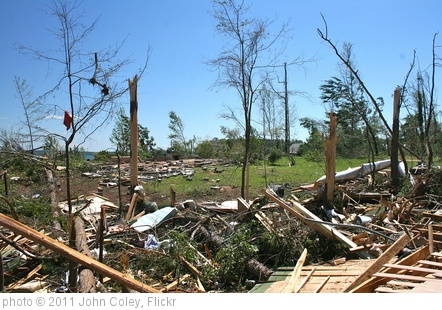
<point x="430" y="238"/>
<point x="131" y="210"/>
<point x="404" y="283"/>
<point x="320" y="287"/>
<point x="294" y="279"/>
<point x="435" y="217"/>
<point x="175" y="283"/>
<point x="412" y="268"/>
<point x="430" y="263"/>
<point x="73" y="255"/>
<point x="380" y="261"/>
<point x="133" y="117"/>
<point x="243" y="205"/>
<point x="407" y="277"/>
<point x="305" y="280"/>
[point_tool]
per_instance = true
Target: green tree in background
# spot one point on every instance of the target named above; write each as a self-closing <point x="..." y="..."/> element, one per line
<point x="178" y="143"/>
<point x="121" y="136"/>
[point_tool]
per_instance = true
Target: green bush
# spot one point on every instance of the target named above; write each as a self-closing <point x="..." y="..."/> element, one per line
<point x="274" y="156"/>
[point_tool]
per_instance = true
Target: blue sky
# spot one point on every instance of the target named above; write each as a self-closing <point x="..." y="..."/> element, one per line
<point x="181" y="36"/>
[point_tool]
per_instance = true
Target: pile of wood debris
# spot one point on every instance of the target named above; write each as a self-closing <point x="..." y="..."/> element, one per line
<point x="388" y="242"/>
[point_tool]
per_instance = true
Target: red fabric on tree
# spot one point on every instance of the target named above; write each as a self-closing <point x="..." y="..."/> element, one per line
<point x="67" y="120"/>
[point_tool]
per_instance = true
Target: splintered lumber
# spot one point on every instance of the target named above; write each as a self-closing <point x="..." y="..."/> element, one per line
<point x="381" y="260"/>
<point x="435" y="217"/>
<point x="196" y="273"/>
<point x="130" y="211"/>
<point x="29" y="276"/>
<point x="175" y="283"/>
<point x="73" y="255"/>
<point x="304" y="215"/>
<point x="371" y="284"/>
<point x="294" y="278"/>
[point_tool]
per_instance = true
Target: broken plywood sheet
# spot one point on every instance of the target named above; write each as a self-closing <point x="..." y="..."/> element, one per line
<point x="153" y="219"/>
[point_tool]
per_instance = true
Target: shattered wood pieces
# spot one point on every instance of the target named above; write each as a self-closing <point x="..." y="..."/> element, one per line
<point x="316" y="223"/>
<point x="72" y="254"/>
<point x="175" y="283"/>
<point x="28" y="276"/>
<point x="378" y="263"/>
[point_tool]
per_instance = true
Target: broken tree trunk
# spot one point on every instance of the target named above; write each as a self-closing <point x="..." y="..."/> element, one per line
<point x="73" y="255"/>
<point x="255" y="267"/>
<point x="133" y="133"/>
<point x="330" y="153"/>
<point x="395" y="139"/>
<point x="86" y="282"/>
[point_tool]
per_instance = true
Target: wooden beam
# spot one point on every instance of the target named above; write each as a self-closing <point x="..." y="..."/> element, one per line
<point x="380" y="261"/>
<point x="73" y="255"/>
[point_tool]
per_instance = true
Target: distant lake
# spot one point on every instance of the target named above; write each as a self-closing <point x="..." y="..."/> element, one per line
<point x="89" y="155"/>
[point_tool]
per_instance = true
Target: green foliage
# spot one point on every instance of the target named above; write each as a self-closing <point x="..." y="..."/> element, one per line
<point x="102" y="156"/>
<point x="38" y="210"/>
<point x="179" y="246"/>
<point x="121" y="136"/>
<point x="179" y="144"/>
<point x="84" y="166"/>
<point x="205" y="149"/>
<point x="275" y="154"/>
<point x="234" y="254"/>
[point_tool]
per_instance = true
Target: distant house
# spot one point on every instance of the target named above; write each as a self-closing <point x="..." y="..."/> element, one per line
<point x="294" y="148"/>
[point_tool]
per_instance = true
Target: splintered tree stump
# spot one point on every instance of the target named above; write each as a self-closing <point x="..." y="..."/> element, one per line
<point x="87" y="282"/>
<point x="258" y="269"/>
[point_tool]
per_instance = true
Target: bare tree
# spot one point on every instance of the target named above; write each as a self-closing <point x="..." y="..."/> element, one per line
<point x="243" y="63"/>
<point x="88" y="79"/>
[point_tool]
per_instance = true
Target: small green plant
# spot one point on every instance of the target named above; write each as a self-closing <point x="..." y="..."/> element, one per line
<point x="38" y="210"/>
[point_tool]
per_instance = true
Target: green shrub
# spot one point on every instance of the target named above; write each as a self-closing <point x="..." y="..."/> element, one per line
<point x="275" y="155"/>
